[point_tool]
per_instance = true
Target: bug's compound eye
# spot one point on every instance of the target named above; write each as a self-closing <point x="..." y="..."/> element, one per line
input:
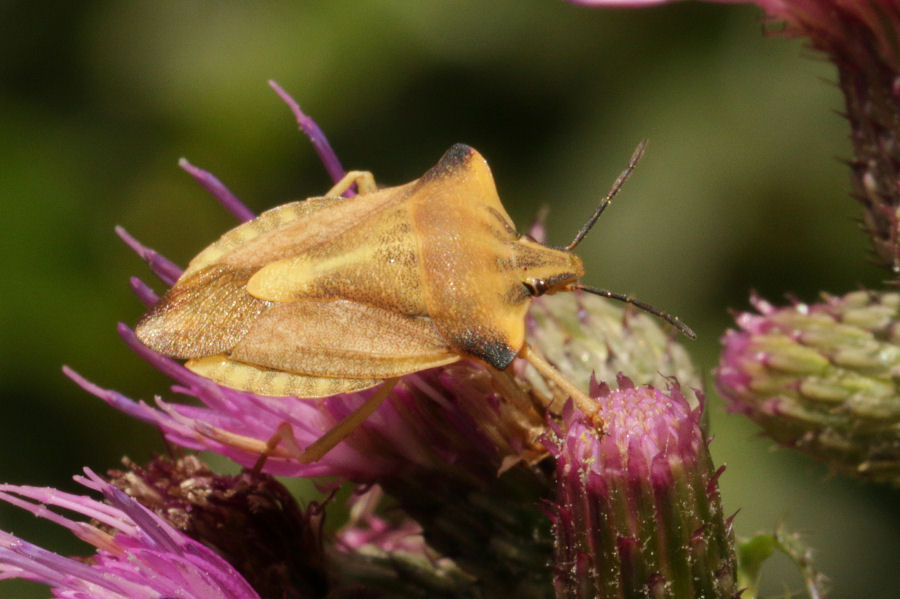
<point x="536" y="287"/>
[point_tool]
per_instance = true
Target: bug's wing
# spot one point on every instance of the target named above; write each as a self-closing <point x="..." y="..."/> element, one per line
<point x="205" y="313"/>
<point x="209" y="310"/>
<point x="342" y="339"/>
<point x="317" y="349"/>
<point x="253" y="243"/>
<point x="296" y="228"/>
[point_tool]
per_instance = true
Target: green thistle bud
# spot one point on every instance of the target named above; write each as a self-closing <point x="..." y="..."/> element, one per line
<point x="586" y="335"/>
<point x="822" y="379"/>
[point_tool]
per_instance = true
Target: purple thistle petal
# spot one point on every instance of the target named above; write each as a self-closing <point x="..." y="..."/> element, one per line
<point x="138" y="410"/>
<point x="142" y="556"/>
<point x="401" y="433"/>
<point x="145" y="295"/>
<point x="166" y="270"/>
<point x="316" y="137"/>
<point x="229" y="201"/>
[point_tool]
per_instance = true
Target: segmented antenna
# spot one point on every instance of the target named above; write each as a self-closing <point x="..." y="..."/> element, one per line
<point x="635" y="158"/>
<point x="670" y="318"/>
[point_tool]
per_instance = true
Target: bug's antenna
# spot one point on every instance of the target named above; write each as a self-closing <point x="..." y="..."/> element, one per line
<point x="670" y="318"/>
<point x="635" y="158"/>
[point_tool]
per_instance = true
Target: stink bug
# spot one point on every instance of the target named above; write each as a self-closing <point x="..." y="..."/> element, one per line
<point x="331" y="294"/>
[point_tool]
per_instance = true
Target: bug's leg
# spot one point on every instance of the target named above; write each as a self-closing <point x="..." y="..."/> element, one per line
<point x="284" y="434"/>
<point x="364" y="181"/>
<point x="581" y="399"/>
<point x="524" y="403"/>
<point x="346" y="426"/>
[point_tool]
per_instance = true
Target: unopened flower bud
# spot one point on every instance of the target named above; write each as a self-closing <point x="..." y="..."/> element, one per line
<point x="822" y="379"/>
<point x="637" y="510"/>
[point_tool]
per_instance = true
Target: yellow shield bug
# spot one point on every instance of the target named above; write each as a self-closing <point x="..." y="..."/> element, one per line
<point x="332" y="295"/>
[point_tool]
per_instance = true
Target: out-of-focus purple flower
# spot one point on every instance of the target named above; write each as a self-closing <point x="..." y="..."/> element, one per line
<point x="139" y="555"/>
<point x="637" y="510"/>
<point x="641" y="3"/>
<point x="861" y="38"/>
<point x="821" y="378"/>
<point x="390" y="553"/>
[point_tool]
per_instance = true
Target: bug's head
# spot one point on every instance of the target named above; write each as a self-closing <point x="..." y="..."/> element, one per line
<point x="546" y="270"/>
<point x="562" y="268"/>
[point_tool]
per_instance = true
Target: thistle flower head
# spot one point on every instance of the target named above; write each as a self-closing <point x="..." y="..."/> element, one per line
<point x="432" y="418"/>
<point x="821" y="378"/>
<point x="637" y="510"/>
<point x="249" y="519"/>
<point x="138" y="554"/>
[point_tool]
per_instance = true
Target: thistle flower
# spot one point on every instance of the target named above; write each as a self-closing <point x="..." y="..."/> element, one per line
<point x="436" y="447"/>
<point x="139" y="555"/>
<point x="249" y="519"/>
<point x="432" y="418"/>
<point x="637" y="510"/>
<point x="821" y="378"/>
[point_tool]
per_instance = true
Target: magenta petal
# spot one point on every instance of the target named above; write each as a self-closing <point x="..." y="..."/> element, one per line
<point x="147" y="296"/>
<point x="167" y="271"/>
<point x="228" y="200"/>
<point x="138" y="556"/>
<point x="316" y="137"/>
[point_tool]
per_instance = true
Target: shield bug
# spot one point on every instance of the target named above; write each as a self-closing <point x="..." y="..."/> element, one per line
<point x="332" y="295"/>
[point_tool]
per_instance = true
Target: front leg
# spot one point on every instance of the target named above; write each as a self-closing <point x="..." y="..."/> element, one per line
<point x="364" y="181"/>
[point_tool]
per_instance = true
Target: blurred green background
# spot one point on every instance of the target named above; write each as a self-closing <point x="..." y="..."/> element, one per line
<point x="742" y="188"/>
